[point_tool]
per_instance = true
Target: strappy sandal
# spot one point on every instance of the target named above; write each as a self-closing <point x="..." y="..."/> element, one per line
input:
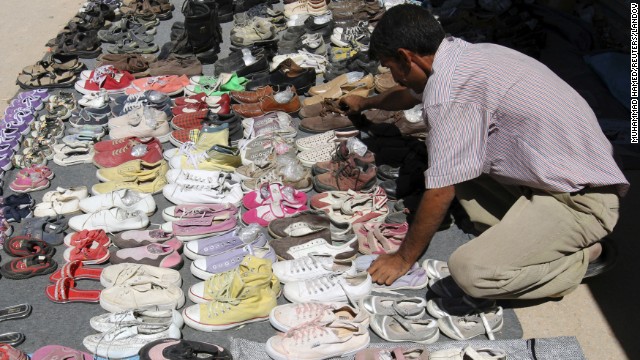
<point x="77" y="271"/>
<point x="63" y="291"/>
<point x="55" y="63"/>
<point x="46" y="80"/>
<point x="161" y="8"/>
<point x="85" y="45"/>
<point x="133" y="44"/>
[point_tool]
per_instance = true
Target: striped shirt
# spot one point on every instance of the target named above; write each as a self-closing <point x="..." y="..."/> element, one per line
<point x="492" y="110"/>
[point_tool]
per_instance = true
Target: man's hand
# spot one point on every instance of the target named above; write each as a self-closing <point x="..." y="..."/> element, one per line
<point x="352" y="104"/>
<point x="388" y="268"/>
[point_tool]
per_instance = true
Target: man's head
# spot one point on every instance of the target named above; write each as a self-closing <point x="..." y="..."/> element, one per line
<point x="405" y="40"/>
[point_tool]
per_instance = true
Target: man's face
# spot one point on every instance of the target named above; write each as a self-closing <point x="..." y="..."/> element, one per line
<point x="406" y="73"/>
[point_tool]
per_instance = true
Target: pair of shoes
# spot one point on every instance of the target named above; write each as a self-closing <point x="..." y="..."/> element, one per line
<point x="113" y="153"/>
<point x="112" y="220"/>
<point x="137" y="175"/>
<point x="35" y="257"/>
<point x="233" y="298"/>
<point x="88" y="246"/>
<point x="107" y="78"/>
<point x="61" y="201"/>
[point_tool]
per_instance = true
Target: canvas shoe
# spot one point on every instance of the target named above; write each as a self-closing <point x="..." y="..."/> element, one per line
<point x="201" y="140"/>
<point x="115" y="144"/>
<point x="398" y="329"/>
<point x="113" y="220"/>
<point x="203" y="268"/>
<point x="218" y="157"/>
<point x="160" y="255"/>
<point x="135" y="238"/>
<point x="334" y="287"/>
<point x="149" y="153"/>
<point x="245" y="300"/>
<point x="106" y="78"/>
<point x="126" y="341"/>
<point x="198" y="228"/>
<point x="168" y="84"/>
<point x="222" y="243"/>
<point x="144" y="294"/>
<point x="288" y="316"/>
<point x="202" y="194"/>
<point x="487" y="321"/>
<point x="179" y="212"/>
<point x="468" y="353"/>
<point x="131" y="170"/>
<point x="415" y="353"/>
<point x="150" y="184"/>
<point x="89" y="251"/>
<point x="406" y="307"/>
<point x="205" y="291"/>
<point x="344" y="250"/>
<point x="142" y="122"/>
<point x="319" y="341"/>
<point x="122" y="274"/>
<point x="130" y="200"/>
<point x="311" y="267"/>
<point x="149" y="319"/>
<point x="61" y="194"/>
<point x="200" y="177"/>
<point x="308" y="222"/>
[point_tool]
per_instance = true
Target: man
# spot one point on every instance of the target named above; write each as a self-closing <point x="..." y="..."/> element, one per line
<point x="519" y="148"/>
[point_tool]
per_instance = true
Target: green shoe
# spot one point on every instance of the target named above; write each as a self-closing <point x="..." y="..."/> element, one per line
<point x="209" y="81"/>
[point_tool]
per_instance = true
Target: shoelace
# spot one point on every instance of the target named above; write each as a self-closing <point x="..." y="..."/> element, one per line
<point x="304" y="334"/>
<point x="133" y="105"/>
<point x="196" y="158"/>
<point x="125" y="148"/>
<point x="101" y="73"/>
<point x="305" y="263"/>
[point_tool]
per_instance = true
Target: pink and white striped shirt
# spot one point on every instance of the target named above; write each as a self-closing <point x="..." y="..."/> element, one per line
<point x="492" y="110"/>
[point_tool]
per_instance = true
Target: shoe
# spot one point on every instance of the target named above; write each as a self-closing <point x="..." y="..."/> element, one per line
<point x="123" y="274"/>
<point x="29" y="266"/>
<point x="59" y="207"/>
<point x="468" y="353"/>
<point x="311" y="267"/>
<point x="165" y="348"/>
<point x="193" y="229"/>
<point x="143" y="319"/>
<point x="145" y="294"/>
<point x="203" y="194"/>
<point x="143" y="122"/>
<point x="288" y="73"/>
<point x="113" y="220"/>
<point x="180" y="212"/>
<point x="148" y="153"/>
<point x="288" y="316"/>
<point x="203" y="268"/>
<point x="415" y="353"/>
<point x="32" y="182"/>
<point x="380" y="238"/>
<point x="397" y="329"/>
<point x="106" y="78"/>
<point x="334" y="287"/>
<point x="136" y="238"/>
<point x="24" y="246"/>
<point x="134" y="169"/>
<point x="219" y="157"/>
<point x="125" y="199"/>
<point x="169" y="84"/>
<point x="222" y="243"/>
<point x="308" y="222"/>
<point x="466" y="327"/>
<point x="199" y="177"/>
<point x="406" y="307"/>
<point x="442" y="307"/>
<point x="149" y="184"/>
<point x="353" y="175"/>
<point x="126" y="341"/>
<point x="318" y="341"/>
<point x="286" y="101"/>
<point x="605" y="262"/>
<point x="160" y="255"/>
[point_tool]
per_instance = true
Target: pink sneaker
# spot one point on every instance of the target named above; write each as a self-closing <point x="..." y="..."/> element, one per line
<point x="179" y="212"/>
<point x="264" y="214"/>
<point x="197" y="228"/>
<point x="160" y="255"/>
<point x="42" y="169"/>
<point x="380" y="238"/>
<point x="269" y="193"/>
<point x="169" y="84"/>
<point x="32" y="182"/>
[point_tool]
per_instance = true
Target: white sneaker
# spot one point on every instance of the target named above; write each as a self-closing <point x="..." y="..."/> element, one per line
<point x="129" y="200"/>
<point x="330" y="288"/>
<point x="287" y="316"/>
<point x="203" y="194"/>
<point x="148" y="295"/>
<point x="124" y="342"/>
<point x="317" y="341"/>
<point x="321" y="246"/>
<point x="311" y="267"/>
<point x="200" y="177"/>
<point x="113" y="220"/>
<point x="144" y="319"/>
<point x="95" y="100"/>
<point x="122" y="274"/>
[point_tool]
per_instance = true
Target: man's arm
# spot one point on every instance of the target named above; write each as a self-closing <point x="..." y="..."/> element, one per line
<point x="395" y="99"/>
<point x="432" y="209"/>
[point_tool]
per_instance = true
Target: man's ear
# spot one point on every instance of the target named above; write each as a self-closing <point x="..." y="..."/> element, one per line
<point x="404" y="57"/>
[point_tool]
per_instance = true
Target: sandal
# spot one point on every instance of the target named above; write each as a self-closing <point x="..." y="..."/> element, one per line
<point x="54" y="63"/>
<point x="271" y="193"/>
<point x="11" y="339"/>
<point x="83" y="45"/>
<point x="380" y="238"/>
<point x="264" y="214"/>
<point x="134" y="44"/>
<point x="15" y="312"/>
<point x="352" y="207"/>
<point x="77" y="271"/>
<point x="24" y="245"/>
<point x="161" y="8"/>
<point x="63" y="291"/>
<point x="27" y="267"/>
<point x="46" y="80"/>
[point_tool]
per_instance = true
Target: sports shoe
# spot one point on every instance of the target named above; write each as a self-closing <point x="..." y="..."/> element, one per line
<point x="141" y="318"/>
<point x="288" y="316"/>
<point x="149" y="153"/>
<point x="142" y="294"/>
<point x="129" y="200"/>
<point x="142" y="122"/>
<point x="123" y="274"/>
<point x="179" y="212"/>
<point x="132" y="170"/>
<point x="221" y="243"/>
<point x="397" y="353"/>
<point x="203" y="194"/>
<point x="468" y="353"/>
<point x="149" y="184"/>
<point x="244" y="300"/>
<point x="219" y="157"/>
<point x="199" y="177"/>
<point x="194" y="228"/>
<point x="126" y="341"/>
<point x="342" y="250"/>
<point x="113" y="220"/>
<point x="203" y="268"/>
<point x="135" y="238"/>
<point x="8" y="352"/>
<point x="334" y="287"/>
<point x="406" y="307"/>
<point x="317" y="341"/>
<point x="311" y="267"/>
<point x="486" y="321"/>
<point x="308" y="222"/>
<point x="160" y="255"/>
<point x="397" y="329"/>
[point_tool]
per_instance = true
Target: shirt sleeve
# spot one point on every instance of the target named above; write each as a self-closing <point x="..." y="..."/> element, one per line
<point x="456" y="143"/>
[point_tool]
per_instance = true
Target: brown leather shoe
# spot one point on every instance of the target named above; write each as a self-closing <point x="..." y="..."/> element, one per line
<point x="136" y="64"/>
<point x="251" y="97"/>
<point x="281" y="246"/>
<point x="352" y="174"/>
<point x="327" y="106"/>
<point x="269" y="104"/>
<point x="397" y="118"/>
<point x="330" y="121"/>
<point x="341" y="156"/>
<point x="176" y="65"/>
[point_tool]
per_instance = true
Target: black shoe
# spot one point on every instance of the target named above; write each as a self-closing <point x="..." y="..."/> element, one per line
<point x="605" y="261"/>
<point x="387" y="172"/>
<point x="287" y="73"/>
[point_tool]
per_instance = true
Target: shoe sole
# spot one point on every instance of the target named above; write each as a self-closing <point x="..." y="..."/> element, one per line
<point x="276" y="356"/>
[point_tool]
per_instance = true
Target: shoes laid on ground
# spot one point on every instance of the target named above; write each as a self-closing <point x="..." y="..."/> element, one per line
<point x="161" y="255"/>
<point x="406" y="307"/>
<point x="288" y="316"/>
<point x="142" y="294"/>
<point x="203" y="268"/>
<point x="486" y="321"/>
<point x="164" y="348"/>
<point x="202" y="194"/>
<point x="329" y="288"/>
<point x="214" y="245"/>
<point x="398" y="329"/>
<point x="352" y="207"/>
<point x="126" y="341"/>
<point x="441" y="307"/>
<point x="130" y="200"/>
<point x="198" y="228"/>
<point x="135" y="238"/>
<point x="140" y="318"/>
<point x="28" y="266"/>
<point x="311" y="267"/>
<point x="150" y="152"/>
<point x="397" y="353"/>
<point x="123" y="274"/>
<point x="113" y="220"/>
<point x="468" y="353"/>
<point x="179" y="212"/>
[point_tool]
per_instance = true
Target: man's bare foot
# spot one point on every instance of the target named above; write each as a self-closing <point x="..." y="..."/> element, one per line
<point x="594" y="251"/>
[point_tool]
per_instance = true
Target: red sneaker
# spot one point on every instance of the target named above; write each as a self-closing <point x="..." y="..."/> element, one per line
<point x="189" y="120"/>
<point x="191" y="100"/>
<point x="189" y="108"/>
<point x="105" y="78"/>
<point x="151" y="153"/>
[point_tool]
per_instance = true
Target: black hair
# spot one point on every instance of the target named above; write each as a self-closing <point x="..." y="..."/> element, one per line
<point x="408" y="27"/>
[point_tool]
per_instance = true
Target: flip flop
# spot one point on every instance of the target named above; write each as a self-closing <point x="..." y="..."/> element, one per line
<point x="52" y="352"/>
<point x="63" y="292"/>
<point x="77" y="271"/>
<point x="12" y="338"/>
<point x="15" y="312"/>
